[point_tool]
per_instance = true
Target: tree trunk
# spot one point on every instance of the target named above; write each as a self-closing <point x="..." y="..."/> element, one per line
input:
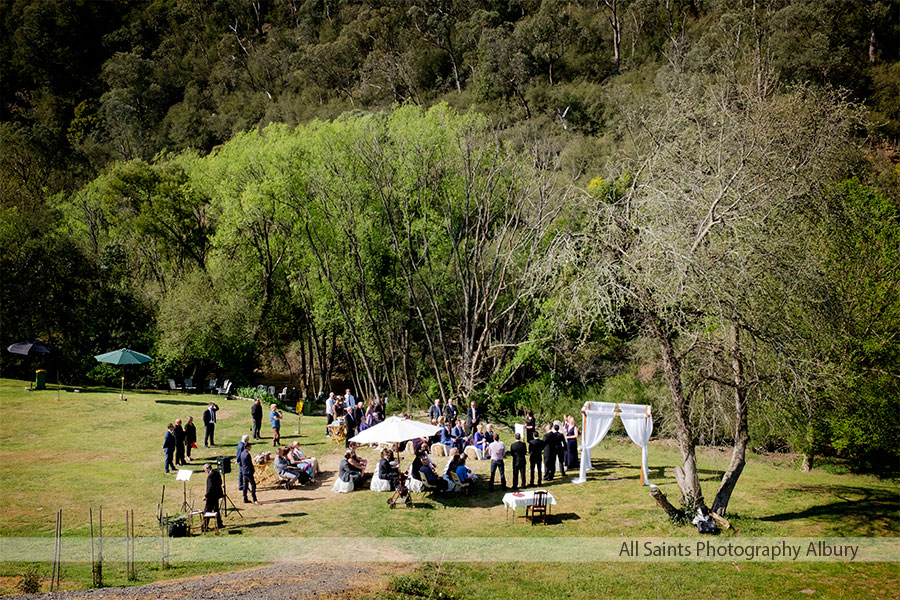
<point x="741" y="430"/>
<point x="690" y="482"/>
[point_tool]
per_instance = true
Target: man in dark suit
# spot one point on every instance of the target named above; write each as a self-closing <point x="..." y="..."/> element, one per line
<point x="256" y="415"/>
<point x="169" y="446"/>
<point x="518" y="451"/>
<point x="472" y="418"/>
<point x="247" y="470"/>
<point x="179" y="443"/>
<point x="237" y="459"/>
<point x="554" y="447"/>
<point x="535" y="450"/>
<point x="450" y="411"/>
<point x="214" y="492"/>
<point x="209" y="419"/>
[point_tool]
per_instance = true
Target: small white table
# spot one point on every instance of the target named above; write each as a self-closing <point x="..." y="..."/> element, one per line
<point x="514" y="500"/>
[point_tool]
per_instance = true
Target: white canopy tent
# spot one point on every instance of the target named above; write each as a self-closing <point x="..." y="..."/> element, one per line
<point x="395" y="429"/>
<point x="597" y="417"/>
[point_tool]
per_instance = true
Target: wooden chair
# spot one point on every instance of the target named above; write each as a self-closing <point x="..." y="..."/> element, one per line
<point x="173" y="387"/>
<point x="189" y="385"/>
<point x="538" y="506"/>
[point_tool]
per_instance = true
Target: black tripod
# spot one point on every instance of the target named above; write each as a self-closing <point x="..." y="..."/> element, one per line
<point x="226" y="500"/>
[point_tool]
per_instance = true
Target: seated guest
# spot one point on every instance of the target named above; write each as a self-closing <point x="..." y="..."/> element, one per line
<point x="299" y="459"/>
<point x="458" y="436"/>
<point x="462" y="471"/>
<point x="388" y="468"/>
<point x="480" y="441"/>
<point x="284" y="468"/>
<point x="347" y="472"/>
<point x="431" y="477"/>
<point x="356" y="462"/>
<point x="416" y="465"/>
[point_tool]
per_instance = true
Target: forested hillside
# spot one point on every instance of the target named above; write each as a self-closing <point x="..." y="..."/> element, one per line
<point x="692" y="204"/>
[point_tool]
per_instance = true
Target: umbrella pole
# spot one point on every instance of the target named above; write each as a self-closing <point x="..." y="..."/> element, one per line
<point x="57" y="383"/>
<point x="122" y="393"/>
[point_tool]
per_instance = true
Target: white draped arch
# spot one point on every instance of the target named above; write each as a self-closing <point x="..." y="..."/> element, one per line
<point x="597" y="417"/>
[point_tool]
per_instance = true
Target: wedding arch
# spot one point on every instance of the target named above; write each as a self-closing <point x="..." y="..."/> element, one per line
<point x="597" y="417"/>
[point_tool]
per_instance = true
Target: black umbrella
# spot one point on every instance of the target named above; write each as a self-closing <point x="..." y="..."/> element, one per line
<point x="32" y="348"/>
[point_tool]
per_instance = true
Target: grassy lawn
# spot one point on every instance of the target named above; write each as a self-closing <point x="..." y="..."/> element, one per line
<point x="88" y="449"/>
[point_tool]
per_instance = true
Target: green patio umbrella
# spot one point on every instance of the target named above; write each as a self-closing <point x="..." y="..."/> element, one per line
<point x="123" y="357"/>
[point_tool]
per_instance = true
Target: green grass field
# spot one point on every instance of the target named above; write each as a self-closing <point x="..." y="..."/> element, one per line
<point x="88" y="449"/>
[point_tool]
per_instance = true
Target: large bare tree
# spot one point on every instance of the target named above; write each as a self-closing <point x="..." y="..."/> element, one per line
<point x="683" y="238"/>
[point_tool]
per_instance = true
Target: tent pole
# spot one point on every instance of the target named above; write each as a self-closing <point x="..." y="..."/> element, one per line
<point x="122" y="392"/>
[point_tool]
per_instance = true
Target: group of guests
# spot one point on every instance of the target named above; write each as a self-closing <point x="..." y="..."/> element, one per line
<point x="178" y="442"/>
<point x="350" y="412"/>
<point x="180" y="439"/>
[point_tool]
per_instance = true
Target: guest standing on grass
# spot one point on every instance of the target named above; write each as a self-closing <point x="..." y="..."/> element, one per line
<point x="214" y="493"/>
<point x="209" y="420"/>
<point x="275" y="418"/>
<point x="169" y="446"/>
<point x="256" y="417"/>
<point x="518" y="451"/>
<point x="535" y="452"/>
<point x="329" y="412"/>
<point x="435" y="412"/>
<point x="190" y="437"/>
<point x="571" y="434"/>
<point x="179" y="443"/>
<point x="530" y="428"/>
<point x="247" y="470"/>
<point x="450" y="412"/>
<point x="237" y="459"/>
<point x="497" y="452"/>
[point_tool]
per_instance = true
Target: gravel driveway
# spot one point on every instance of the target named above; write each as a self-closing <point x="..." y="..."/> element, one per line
<point x="273" y="582"/>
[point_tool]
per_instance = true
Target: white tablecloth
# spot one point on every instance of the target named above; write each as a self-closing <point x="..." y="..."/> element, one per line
<point x="513" y="501"/>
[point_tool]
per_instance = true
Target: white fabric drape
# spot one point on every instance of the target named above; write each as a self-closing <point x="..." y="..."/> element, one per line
<point x="639" y="428"/>
<point x="598" y="419"/>
<point x="378" y="484"/>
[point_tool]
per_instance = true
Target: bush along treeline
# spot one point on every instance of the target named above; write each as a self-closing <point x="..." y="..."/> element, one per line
<point x="525" y="204"/>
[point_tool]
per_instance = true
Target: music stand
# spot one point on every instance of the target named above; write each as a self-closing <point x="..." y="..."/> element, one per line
<point x="184" y="475"/>
<point x="226" y="500"/>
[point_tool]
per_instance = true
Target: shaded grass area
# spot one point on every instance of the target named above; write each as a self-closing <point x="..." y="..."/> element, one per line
<point x="89" y="449"/>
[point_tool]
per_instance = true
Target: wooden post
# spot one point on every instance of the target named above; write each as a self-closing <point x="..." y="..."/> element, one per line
<point x="93" y="568"/>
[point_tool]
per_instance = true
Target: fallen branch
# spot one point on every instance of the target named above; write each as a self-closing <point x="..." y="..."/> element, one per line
<point x="663" y="502"/>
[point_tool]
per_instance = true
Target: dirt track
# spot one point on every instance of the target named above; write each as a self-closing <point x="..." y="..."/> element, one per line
<point x="272" y="582"/>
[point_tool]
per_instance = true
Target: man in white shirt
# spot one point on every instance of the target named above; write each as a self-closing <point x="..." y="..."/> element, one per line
<point x="329" y="412"/>
<point x="497" y="452"/>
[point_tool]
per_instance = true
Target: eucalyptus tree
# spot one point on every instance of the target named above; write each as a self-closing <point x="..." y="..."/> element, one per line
<point x="684" y="236"/>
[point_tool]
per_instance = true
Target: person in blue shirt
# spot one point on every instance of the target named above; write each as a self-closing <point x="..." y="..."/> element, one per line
<point x="462" y="471"/>
<point x="275" y="418"/>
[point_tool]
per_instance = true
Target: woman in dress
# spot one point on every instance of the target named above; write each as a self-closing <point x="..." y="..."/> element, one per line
<point x="571" y="431"/>
<point x="529" y="426"/>
<point x="275" y="418"/>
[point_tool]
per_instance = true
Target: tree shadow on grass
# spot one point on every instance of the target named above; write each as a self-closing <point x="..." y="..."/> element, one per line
<point x="181" y="402"/>
<point x="872" y="512"/>
<point x="258" y="524"/>
<point x="296" y="514"/>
